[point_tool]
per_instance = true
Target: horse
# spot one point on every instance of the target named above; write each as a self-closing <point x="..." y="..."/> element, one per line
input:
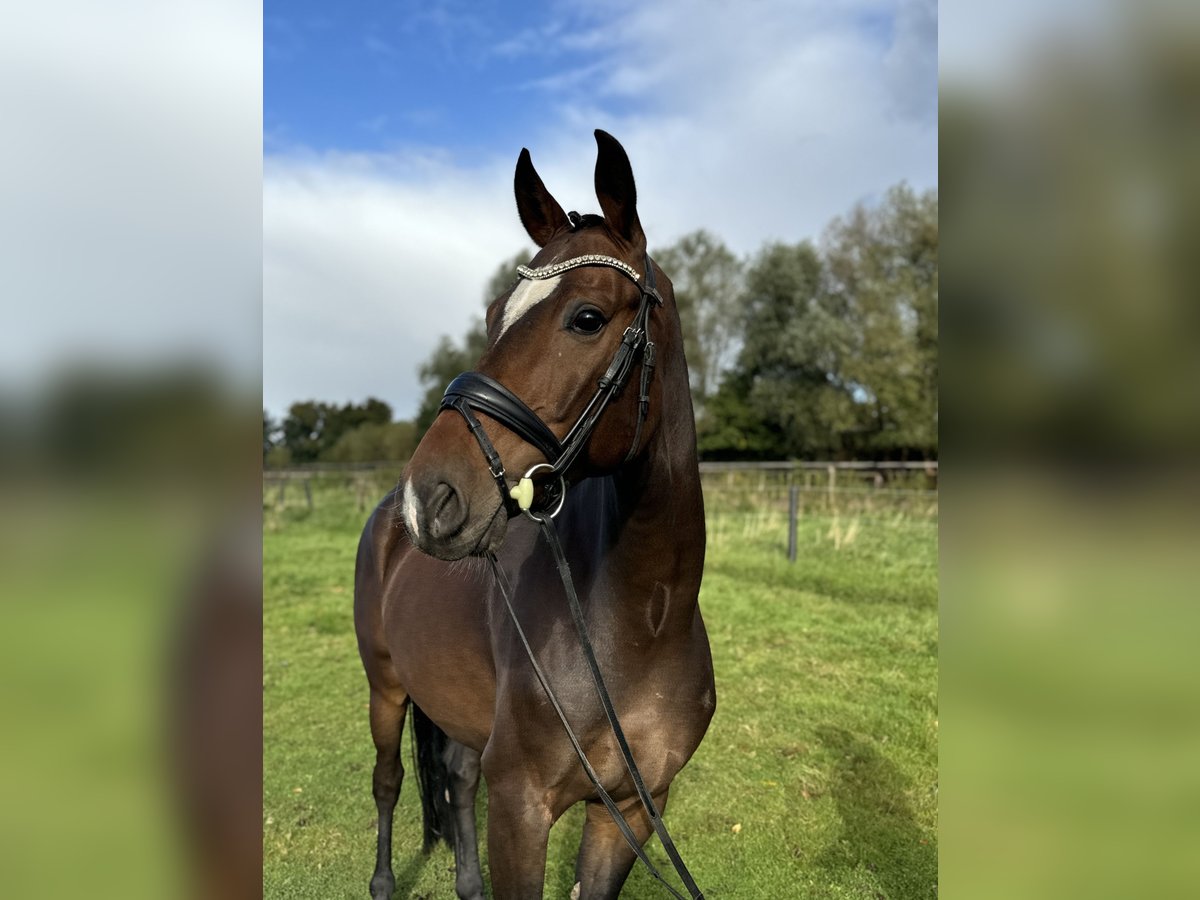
<point x="431" y="629"/>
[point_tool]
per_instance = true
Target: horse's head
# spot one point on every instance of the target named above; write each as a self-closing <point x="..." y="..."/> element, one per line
<point x="552" y="342"/>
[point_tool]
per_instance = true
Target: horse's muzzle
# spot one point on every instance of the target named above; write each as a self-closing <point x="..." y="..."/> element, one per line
<point x="445" y="521"/>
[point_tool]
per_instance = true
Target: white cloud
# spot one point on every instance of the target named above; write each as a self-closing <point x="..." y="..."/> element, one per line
<point x="365" y="263"/>
<point x="129" y="169"/>
<point x="757" y="121"/>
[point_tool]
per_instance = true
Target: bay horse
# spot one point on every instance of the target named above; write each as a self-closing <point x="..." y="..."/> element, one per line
<point x="428" y="613"/>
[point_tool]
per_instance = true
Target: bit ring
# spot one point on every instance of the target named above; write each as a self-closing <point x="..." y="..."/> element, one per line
<point x="562" y="496"/>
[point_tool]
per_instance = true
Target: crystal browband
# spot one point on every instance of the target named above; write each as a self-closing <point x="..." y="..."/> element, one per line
<point x="591" y="259"/>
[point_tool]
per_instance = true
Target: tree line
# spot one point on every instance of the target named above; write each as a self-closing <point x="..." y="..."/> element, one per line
<point x="314" y="431"/>
<point x="825" y="349"/>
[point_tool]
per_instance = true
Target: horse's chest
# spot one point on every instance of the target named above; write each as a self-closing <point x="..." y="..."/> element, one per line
<point x="663" y="716"/>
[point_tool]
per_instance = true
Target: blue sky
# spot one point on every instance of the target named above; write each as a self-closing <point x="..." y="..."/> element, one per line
<point x="463" y="77"/>
<point x="391" y="131"/>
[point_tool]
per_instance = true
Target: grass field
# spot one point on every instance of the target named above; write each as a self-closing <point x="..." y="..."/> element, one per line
<point x="818" y="776"/>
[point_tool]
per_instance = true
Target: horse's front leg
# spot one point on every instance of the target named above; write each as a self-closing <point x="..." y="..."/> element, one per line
<point x="519" y="820"/>
<point x="605" y="858"/>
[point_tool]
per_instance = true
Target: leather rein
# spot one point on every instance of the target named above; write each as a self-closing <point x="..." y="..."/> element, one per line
<point x="474" y="391"/>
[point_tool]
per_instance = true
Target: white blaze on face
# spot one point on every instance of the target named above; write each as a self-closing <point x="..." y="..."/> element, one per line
<point x="410" y="509"/>
<point x="525" y="296"/>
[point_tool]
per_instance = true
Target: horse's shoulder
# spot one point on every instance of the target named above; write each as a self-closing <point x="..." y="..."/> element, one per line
<point x="384" y="540"/>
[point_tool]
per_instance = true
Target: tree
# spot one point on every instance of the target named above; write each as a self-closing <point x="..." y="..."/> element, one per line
<point x="707" y="279"/>
<point x="787" y="394"/>
<point x="373" y="442"/>
<point x="450" y="357"/>
<point x="270" y="433"/>
<point x="732" y="429"/>
<point x="302" y="428"/>
<point x="312" y="428"/>
<point x="882" y="269"/>
<point x="839" y="349"/>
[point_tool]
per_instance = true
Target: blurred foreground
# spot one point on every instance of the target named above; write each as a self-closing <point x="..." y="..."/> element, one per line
<point x="1069" y="685"/>
<point x="130" y="273"/>
<point x="1071" y="394"/>
<point x="130" y="646"/>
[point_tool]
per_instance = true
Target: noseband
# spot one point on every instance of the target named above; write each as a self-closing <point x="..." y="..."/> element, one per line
<point x="474" y="392"/>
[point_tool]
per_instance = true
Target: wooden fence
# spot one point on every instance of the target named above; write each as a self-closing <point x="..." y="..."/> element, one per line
<point x="822" y="487"/>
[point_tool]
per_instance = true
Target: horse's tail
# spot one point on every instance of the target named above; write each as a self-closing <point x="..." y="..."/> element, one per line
<point x="433" y="779"/>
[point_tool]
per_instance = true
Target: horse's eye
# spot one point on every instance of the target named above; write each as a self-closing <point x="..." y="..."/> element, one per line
<point x="587" y="321"/>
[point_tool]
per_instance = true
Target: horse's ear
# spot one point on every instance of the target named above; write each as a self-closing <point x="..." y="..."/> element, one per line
<point x="615" y="189"/>
<point x="540" y="213"/>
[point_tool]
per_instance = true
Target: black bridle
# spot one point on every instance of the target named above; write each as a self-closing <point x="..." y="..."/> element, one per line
<point x="474" y="391"/>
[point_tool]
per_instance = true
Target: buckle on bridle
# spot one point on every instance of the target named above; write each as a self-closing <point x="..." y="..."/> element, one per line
<point x="619" y="367"/>
<point x="523" y="493"/>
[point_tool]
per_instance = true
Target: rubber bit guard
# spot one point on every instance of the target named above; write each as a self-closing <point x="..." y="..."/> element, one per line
<point x="523" y="493"/>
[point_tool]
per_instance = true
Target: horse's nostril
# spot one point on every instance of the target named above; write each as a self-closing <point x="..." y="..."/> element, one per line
<point x="449" y="511"/>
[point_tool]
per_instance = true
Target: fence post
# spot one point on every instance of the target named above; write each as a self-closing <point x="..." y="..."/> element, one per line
<point x="832" y="486"/>
<point x="308" y="493"/>
<point x="793" y="511"/>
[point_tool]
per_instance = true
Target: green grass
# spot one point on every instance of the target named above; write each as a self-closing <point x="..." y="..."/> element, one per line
<point x="818" y="776"/>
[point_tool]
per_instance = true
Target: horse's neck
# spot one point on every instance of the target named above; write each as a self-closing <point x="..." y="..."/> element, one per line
<point x="650" y="543"/>
<point x="662" y="505"/>
<point x="639" y="534"/>
<point x="667" y="509"/>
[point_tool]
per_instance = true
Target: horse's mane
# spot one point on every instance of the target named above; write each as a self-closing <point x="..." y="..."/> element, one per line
<point x="586" y="220"/>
